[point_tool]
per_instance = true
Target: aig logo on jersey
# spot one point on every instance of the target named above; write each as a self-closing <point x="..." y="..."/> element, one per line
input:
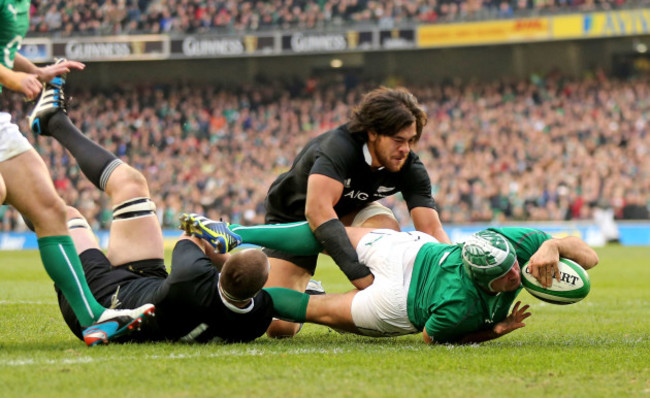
<point x="357" y="195"/>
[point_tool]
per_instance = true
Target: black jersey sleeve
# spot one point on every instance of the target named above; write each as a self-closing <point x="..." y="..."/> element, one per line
<point x="416" y="185"/>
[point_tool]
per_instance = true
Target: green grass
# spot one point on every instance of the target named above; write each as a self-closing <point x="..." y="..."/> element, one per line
<point x="596" y="348"/>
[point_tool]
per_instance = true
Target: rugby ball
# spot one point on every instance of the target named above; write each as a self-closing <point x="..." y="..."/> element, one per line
<point x="573" y="286"/>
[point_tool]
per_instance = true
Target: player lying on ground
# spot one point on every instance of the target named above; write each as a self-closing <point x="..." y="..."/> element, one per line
<point x="452" y="293"/>
<point x="194" y="302"/>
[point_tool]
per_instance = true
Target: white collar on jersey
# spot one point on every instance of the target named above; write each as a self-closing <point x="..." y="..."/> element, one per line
<point x="233" y="308"/>
<point x="367" y="156"/>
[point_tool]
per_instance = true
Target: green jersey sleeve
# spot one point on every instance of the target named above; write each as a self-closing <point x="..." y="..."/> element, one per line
<point x="526" y="241"/>
<point x="14" y="22"/>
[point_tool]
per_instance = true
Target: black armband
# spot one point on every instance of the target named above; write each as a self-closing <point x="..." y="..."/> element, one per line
<point x="332" y="236"/>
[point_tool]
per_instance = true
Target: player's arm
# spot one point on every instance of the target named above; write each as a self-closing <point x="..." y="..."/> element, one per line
<point x="323" y="193"/>
<point x="216" y="258"/>
<point x="513" y="322"/>
<point x="45" y="73"/>
<point x="25" y="83"/>
<point x="544" y="263"/>
<point x="427" y="220"/>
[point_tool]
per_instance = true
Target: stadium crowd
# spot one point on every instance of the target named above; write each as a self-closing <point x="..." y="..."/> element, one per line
<point x="548" y="148"/>
<point x="65" y="17"/>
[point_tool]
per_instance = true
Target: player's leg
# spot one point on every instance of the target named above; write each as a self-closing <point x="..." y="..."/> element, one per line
<point x="104" y="282"/>
<point x="135" y="230"/>
<point x="31" y="192"/>
<point x="286" y="274"/>
<point x="333" y="310"/>
<point x="81" y="233"/>
<point x="374" y="215"/>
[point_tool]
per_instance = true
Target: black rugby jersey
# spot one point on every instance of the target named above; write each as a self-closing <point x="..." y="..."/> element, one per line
<point x="339" y="155"/>
<point x="188" y="304"/>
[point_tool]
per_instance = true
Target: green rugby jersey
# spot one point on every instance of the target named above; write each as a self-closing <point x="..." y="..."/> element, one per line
<point x="444" y="300"/>
<point x="14" y="22"/>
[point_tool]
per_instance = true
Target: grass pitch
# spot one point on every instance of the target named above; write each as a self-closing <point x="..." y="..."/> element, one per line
<point x="596" y="348"/>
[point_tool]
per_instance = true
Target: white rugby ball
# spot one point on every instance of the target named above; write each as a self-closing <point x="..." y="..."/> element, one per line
<point x="573" y="286"/>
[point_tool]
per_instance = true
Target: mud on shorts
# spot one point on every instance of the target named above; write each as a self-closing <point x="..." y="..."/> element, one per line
<point x="380" y="309"/>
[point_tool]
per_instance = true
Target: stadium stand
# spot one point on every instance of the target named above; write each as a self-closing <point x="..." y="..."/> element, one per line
<point x="79" y="17"/>
<point x="544" y="148"/>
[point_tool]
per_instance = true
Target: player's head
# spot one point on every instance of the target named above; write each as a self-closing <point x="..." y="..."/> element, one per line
<point x="391" y="121"/>
<point x="491" y="262"/>
<point x="243" y="275"/>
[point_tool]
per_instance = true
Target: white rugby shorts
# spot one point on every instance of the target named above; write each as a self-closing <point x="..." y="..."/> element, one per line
<point x="12" y="141"/>
<point x="380" y="309"/>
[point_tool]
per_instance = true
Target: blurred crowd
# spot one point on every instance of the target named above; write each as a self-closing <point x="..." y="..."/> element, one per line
<point x="106" y="17"/>
<point x="545" y="148"/>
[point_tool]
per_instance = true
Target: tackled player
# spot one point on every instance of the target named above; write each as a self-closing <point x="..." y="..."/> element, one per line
<point x="452" y="293"/>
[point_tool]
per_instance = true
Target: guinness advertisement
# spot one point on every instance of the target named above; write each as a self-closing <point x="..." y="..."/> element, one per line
<point x="113" y="48"/>
<point x="397" y="39"/>
<point x="221" y="46"/>
<point x="303" y="42"/>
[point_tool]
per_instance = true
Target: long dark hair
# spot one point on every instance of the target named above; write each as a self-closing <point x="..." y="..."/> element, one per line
<point x="387" y="111"/>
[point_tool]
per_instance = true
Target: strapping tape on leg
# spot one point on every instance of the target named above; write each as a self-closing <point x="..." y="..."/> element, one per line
<point x="78" y="223"/>
<point x="134" y="208"/>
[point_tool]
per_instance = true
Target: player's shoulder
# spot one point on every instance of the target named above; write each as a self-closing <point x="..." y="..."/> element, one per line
<point x="343" y="136"/>
<point x="339" y="144"/>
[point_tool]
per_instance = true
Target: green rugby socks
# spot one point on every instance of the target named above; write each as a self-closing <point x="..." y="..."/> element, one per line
<point x="289" y="305"/>
<point x="295" y="238"/>
<point x="62" y="264"/>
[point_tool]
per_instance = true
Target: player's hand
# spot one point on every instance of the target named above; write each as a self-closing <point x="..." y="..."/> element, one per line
<point x="514" y="321"/>
<point x="48" y="73"/>
<point x="544" y="264"/>
<point x="25" y="83"/>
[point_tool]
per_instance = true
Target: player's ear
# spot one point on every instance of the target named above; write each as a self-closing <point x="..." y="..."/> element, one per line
<point x="372" y="135"/>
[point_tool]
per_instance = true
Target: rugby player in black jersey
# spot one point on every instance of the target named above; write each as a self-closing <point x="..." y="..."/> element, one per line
<point x="194" y="302"/>
<point x="336" y="180"/>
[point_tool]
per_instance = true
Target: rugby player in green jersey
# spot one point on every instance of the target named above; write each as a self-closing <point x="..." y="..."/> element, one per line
<point x="458" y="293"/>
<point x="25" y="182"/>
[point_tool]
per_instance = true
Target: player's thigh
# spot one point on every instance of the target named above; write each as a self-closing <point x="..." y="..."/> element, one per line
<point x="31" y="191"/>
<point x="373" y="215"/>
<point x="135" y="239"/>
<point x="80" y="232"/>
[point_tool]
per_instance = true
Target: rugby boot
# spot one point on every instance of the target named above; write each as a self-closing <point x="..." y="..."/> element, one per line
<point x="214" y="232"/>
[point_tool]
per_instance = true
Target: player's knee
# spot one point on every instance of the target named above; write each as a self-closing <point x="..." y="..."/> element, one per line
<point x="73" y="213"/>
<point x="49" y="217"/>
<point x="53" y="208"/>
<point x="282" y="329"/>
<point x="76" y="219"/>
<point x="131" y="183"/>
